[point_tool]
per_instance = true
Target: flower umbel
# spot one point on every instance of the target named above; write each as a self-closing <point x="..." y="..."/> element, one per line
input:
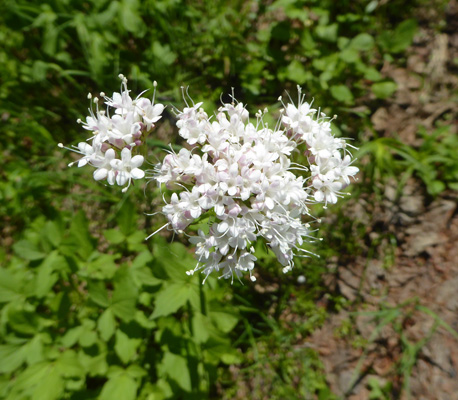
<point x="241" y="175"/>
<point x="237" y="178"/>
<point x="118" y="134"/>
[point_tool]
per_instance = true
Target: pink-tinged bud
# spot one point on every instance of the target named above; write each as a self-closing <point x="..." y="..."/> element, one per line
<point x="137" y="135"/>
<point x="142" y="127"/>
<point x="105" y="146"/>
<point x="119" y="143"/>
<point x="128" y="146"/>
<point x="138" y="143"/>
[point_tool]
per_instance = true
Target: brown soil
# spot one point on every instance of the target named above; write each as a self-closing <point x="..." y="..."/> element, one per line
<point x="415" y="267"/>
<point x="402" y="314"/>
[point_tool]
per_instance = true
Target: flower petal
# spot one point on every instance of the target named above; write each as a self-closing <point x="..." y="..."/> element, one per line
<point x="137" y="173"/>
<point x="136" y="161"/>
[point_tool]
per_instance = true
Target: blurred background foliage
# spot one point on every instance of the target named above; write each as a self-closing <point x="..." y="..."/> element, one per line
<point x="88" y="308"/>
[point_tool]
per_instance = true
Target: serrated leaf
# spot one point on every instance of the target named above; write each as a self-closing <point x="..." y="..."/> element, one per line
<point x="80" y="236"/>
<point x="94" y="365"/>
<point x="9" y="286"/>
<point x="171" y="298"/>
<point x="176" y="367"/>
<point x="142" y="259"/>
<point x="144" y="276"/>
<point x="12" y="356"/>
<point x="71" y="336"/>
<point x="174" y="260"/>
<point x="23" y="321"/>
<point x="50" y="387"/>
<point x="125" y="347"/>
<point x="34" y="350"/>
<point x="124" y="300"/>
<point x="52" y="233"/>
<point x="130" y="17"/>
<point x="28" y="250"/>
<point x="46" y="277"/>
<point x="87" y="338"/>
<point x="201" y="327"/>
<point x="398" y="40"/>
<point x="106" y="324"/>
<point x="103" y="266"/>
<point x="69" y="365"/>
<point x="224" y="321"/>
<point x="98" y="293"/>
<point x="122" y="387"/>
<point x="114" y="236"/>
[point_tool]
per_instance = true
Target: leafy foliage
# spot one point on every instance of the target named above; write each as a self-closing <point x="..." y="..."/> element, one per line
<point x="88" y="309"/>
<point x="73" y="315"/>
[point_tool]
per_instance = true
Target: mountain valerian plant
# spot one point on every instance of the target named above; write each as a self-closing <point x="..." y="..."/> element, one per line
<point x="237" y="174"/>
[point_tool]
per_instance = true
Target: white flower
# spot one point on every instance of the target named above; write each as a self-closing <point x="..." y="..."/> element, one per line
<point x="242" y="176"/>
<point x="117" y="134"/>
<point x="126" y="169"/>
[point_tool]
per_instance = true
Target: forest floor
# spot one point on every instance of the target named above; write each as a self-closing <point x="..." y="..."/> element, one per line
<point x="397" y="337"/>
<point x="399" y="311"/>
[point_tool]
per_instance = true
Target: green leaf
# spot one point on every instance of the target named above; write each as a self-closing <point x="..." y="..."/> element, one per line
<point x="362" y="42"/>
<point x="114" y="236"/>
<point x="327" y="32"/>
<point x="71" y="336"/>
<point x="28" y="250"/>
<point x="94" y="365"/>
<point x="176" y="367"/>
<point x="69" y="365"/>
<point x="135" y="371"/>
<point x="52" y="233"/>
<point x="201" y="327"/>
<point x="127" y="217"/>
<point x="103" y="266"/>
<point x="12" y="356"/>
<point x="87" y="338"/>
<point x="144" y="276"/>
<point x="41" y="382"/>
<point x="122" y="387"/>
<point x="435" y="187"/>
<point x="9" y="286"/>
<point x="349" y="55"/>
<point x="342" y="93"/>
<point x="171" y="297"/>
<point x="296" y="72"/>
<point x="142" y="259"/>
<point x="80" y="235"/>
<point x="163" y="53"/>
<point x="174" y="259"/>
<point x="34" y="350"/>
<point x="224" y="321"/>
<point x="130" y="17"/>
<point x="124" y="300"/>
<point x="125" y="348"/>
<point x="98" y="293"/>
<point x="383" y="90"/>
<point x="46" y="277"/>
<point x="106" y="324"/>
<point x="398" y="40"/>
<point x="23" y="321"/>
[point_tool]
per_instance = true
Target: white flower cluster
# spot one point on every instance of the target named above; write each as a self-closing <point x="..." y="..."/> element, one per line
<point x="241" y="175"/>
<point x="116" y="139"/>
